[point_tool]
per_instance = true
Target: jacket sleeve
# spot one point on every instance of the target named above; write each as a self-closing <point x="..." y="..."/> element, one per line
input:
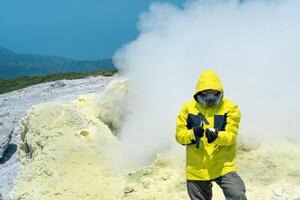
<point x="228" y="137"/>
<point x="183" y="135"/>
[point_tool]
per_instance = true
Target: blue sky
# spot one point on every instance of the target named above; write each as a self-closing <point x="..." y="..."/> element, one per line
<point x="71" y="28"/>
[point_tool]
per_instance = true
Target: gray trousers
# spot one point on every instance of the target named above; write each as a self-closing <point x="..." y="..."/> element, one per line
<point x="231" y="183"/>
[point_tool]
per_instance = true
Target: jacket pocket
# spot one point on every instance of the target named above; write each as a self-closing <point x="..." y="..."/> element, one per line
<point x="220" y="122"/>
<point x="193" y="121"/>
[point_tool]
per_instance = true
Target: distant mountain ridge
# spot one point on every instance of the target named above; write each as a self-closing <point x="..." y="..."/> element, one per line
<point x="15" y="64"/>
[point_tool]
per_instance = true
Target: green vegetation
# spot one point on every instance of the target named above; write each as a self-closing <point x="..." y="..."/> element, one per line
<point x="8" y="85"/>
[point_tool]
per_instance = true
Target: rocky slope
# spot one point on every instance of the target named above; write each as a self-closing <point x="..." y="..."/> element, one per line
<point x="13" y="107"/>
<point x="63" y="151"/>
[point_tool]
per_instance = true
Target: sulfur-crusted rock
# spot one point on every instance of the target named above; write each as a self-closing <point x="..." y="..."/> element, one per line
<point x="112" y="104"/>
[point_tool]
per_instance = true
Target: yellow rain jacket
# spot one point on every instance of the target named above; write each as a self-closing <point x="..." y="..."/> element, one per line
<point x="217" y="158"/>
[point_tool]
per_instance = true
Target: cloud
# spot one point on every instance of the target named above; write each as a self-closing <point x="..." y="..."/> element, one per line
<point x="254" y="47"/>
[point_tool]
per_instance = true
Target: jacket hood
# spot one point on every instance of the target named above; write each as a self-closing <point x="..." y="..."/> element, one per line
<point x="209" y="79"/>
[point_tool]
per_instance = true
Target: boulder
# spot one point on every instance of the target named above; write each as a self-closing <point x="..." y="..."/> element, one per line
<point x="6" y="130"/>
<point x="57" y="84"/>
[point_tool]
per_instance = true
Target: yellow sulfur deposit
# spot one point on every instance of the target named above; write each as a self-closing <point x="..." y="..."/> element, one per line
<point x="61" y="152"/>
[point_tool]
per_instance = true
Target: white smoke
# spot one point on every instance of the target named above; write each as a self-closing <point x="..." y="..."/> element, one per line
<point x="253" y="46"/>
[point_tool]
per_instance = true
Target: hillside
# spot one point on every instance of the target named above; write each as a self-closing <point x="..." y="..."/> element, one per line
<point x="15" y="64"/>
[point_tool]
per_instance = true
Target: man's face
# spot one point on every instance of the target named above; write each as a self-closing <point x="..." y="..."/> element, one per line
<point x="209" y="98"/>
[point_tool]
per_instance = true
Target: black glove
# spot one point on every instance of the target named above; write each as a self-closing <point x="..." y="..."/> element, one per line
<point x="198" y="132"/>
<point x="211" y="134"/>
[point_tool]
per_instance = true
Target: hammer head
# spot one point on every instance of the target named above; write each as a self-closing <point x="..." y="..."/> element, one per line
<point x="203" y="118"/>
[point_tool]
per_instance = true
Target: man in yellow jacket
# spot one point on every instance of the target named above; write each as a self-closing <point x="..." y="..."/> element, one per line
<point x="208" y="125"/>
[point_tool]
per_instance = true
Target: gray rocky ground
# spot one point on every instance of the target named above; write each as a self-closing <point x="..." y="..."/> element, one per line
<point x="13" y="106"/>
